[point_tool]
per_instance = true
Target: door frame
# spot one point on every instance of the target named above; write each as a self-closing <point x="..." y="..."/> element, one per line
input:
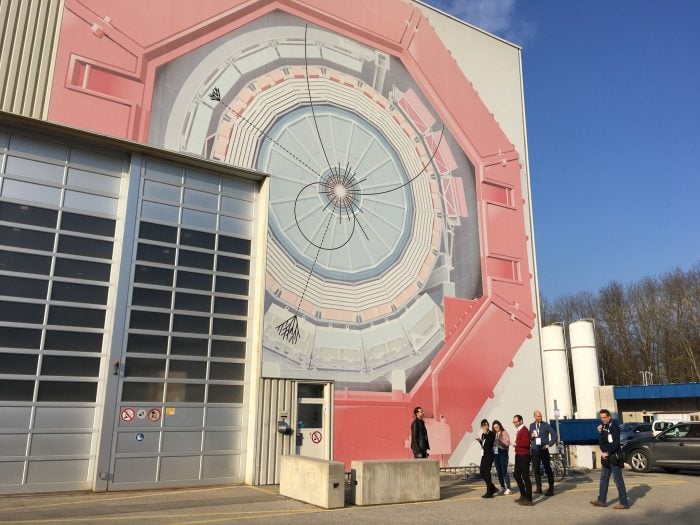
<point x="328" y="410"/>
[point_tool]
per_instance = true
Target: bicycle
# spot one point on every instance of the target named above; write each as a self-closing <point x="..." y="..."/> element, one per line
<point x="557" y="460"/>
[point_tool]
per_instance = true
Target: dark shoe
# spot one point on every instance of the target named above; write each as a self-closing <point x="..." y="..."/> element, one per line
<point x="526" y="502"/>
<point x="550" y="492"/>
<point x="487" y="495"/>
<point x="518" y="500"/>
<point x="597" y="503"/>
<point x="538" y="490"/>
<point x="620" y="506"/>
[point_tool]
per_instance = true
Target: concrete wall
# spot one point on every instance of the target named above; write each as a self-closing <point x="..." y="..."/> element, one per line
<point x="397" y="481"/>
<point x="316" y="481"/>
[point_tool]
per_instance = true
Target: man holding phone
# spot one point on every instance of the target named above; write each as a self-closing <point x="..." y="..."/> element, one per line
<point x="611" y="461"/>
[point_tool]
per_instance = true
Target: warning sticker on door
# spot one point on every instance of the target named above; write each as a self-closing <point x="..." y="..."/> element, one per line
<point x="141" y="414"/>
<point x="154" y="415"/>
<point x="316" y="436"/>
<point x="127" y="415"/>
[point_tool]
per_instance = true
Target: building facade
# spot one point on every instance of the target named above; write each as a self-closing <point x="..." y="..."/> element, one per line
<point x="313" y="216"/>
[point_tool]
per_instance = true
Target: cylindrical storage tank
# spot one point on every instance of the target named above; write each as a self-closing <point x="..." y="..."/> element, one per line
<point x="584" y="361"/>
<point x="556" y="371"/>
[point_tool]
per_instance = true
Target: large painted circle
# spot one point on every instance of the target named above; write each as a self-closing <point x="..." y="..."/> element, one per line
<point x="369" y="229"/>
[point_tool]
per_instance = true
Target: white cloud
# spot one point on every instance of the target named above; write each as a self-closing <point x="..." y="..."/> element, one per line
<point x="495" y="16"/>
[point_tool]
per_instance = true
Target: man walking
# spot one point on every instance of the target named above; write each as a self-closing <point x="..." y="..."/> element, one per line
<point x="419" y="435"/>
<point x="611" y="461"/>
<point x="522" y="462"/>
<point x="542" y="436"/>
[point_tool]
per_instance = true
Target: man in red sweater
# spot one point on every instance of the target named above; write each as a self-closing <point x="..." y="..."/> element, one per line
<point x="521" y="473"/>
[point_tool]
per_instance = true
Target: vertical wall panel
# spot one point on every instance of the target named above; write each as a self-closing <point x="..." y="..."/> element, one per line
<point x="276" y="395"/>
<point x="28" y="33"/>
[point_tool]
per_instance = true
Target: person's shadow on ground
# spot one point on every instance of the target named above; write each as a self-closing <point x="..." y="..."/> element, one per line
<point x="637" y="493"/>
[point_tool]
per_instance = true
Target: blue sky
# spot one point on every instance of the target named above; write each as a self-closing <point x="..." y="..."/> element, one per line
<point x="612" y="96"/>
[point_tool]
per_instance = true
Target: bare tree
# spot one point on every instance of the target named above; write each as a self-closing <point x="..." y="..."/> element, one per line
<point x="652" y="325"/>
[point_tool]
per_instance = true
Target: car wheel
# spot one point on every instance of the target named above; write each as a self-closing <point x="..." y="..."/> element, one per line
<point x="639" y="461"/>
<point x="671" y="470"/>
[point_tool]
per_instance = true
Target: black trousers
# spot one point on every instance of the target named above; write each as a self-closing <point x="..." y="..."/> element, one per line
<point x="521" y="473"/>
<point x="542" y="454"/>
<point x="485" y="472"/>
<point x="422" y="454"/>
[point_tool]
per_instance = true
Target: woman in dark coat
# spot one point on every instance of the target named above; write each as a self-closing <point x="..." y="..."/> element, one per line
<point x="487" y="442"/>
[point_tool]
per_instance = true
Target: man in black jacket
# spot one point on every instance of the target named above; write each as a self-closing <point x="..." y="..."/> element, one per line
<point x="419" y="435"/>
<point x="609" y="441"/>
<point x="542" y="436"/>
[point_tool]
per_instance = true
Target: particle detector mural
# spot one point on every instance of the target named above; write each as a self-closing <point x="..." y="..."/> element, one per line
<point x="372" y="219"/>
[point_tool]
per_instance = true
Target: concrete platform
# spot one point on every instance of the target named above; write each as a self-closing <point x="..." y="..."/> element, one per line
<point x="311" y="480"/>
<point x="379" y="482"/>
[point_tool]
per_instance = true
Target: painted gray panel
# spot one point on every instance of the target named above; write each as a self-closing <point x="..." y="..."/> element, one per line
<point x="182" y="441"/>
<point x="93" y="181"/>
<point x="60" y="444"/>
<point x="34" y="170"/>
<point x="60" y="417"/>
<point x="222" y="441"/>
<point x="13" y="444"/>
<point x="82" y="201"/>
<point x="11" y="472"/>
<point x="179" y="468"/>
<point x="38" y="147"/>
<point x="184" y="417"/>
<point x="163" y="171"/>
<point x="222" y="466"/>
<point x="135" y="469"/>
<point x="201" y="180"/>
<point x="57" y="471"/>
<point x="38" y="193"/>
<point x="224" y="417"/>
<point x="15" y="417"/>
<point x="103" y="161"/>
<point x="127" y="442"/>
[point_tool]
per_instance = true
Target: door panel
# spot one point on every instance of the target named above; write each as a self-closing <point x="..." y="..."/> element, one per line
<point x="313" y="436"/>
<point x="670" y="448"/>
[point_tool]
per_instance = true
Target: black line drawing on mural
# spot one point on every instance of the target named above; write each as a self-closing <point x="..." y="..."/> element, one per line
<point x="341" y="189"/>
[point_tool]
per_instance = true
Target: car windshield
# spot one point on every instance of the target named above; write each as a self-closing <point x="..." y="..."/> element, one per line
<point x="628" y="427"/>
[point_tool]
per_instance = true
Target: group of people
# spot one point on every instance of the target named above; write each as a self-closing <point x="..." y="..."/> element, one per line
<point x="531" y="446"/>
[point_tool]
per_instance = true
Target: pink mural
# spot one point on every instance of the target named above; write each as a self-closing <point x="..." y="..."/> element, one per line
<point x="423" y="295"/>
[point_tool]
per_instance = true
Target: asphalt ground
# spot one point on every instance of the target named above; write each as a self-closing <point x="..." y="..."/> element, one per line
<point x="656" y="498"/>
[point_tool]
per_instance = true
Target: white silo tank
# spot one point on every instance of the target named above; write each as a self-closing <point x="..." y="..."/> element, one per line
<point x="556" y="371"/>
<point x="584" y="361"/>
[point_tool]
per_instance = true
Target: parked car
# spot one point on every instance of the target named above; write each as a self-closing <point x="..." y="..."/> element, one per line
<point x="634" y="430"/>
<point x="677" y="448"/>
<point x="659" y="426"/>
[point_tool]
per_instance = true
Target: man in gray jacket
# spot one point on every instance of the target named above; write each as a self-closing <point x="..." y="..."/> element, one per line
<point x="542" y="436"/>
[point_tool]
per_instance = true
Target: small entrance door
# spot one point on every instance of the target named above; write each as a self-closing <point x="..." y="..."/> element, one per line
<point x="313" y="420"/>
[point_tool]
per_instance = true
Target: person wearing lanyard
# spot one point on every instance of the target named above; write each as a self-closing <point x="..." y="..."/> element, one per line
<point x="502" y="444"/>
<point x="542" y="436"/>
<point x="487" y="442"/>
<point x="609" y="441"/>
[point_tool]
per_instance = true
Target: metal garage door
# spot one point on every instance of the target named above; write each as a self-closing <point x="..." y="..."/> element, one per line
<point x="181" y="416"/>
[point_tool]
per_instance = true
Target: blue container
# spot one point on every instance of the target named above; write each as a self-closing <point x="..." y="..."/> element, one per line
<point x="577" y="431"/>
